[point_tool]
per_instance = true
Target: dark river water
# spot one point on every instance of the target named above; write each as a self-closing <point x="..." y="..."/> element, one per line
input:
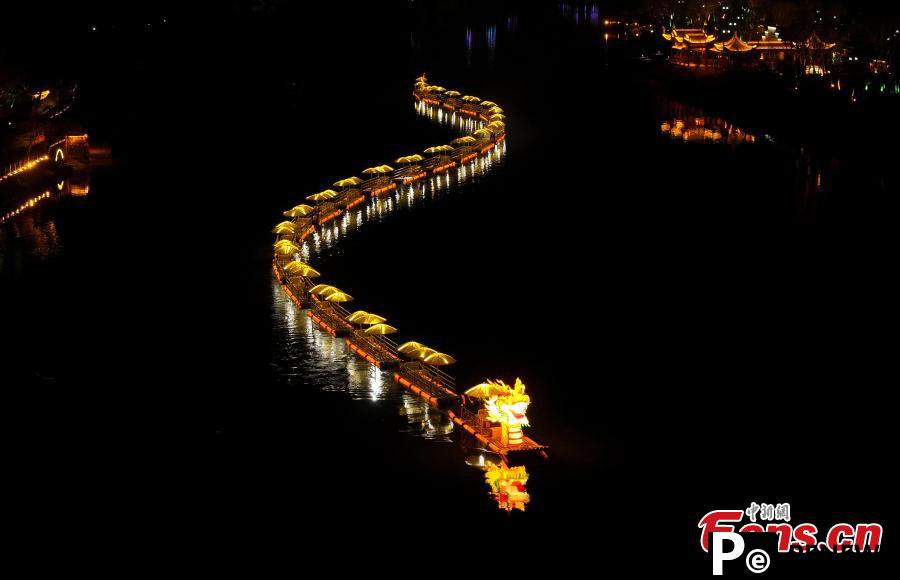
<point x="699" y="320"/>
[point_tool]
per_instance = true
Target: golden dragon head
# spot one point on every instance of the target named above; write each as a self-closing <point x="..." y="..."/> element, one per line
<point x="505" y="404"/>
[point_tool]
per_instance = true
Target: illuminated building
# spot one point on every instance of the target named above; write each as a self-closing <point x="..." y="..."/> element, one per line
<point x="695" y="49"/>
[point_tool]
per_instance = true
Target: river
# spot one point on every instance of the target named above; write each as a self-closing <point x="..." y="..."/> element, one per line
<point x="678" y="308"/>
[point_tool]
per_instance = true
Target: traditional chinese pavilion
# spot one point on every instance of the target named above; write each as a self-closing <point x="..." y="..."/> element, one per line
<point x="695" y="48"/>
<point x="690" y="45"/>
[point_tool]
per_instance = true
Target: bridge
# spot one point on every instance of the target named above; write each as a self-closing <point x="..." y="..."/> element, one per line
<point x="70" y="151"/>
<point x="429" y="382"/>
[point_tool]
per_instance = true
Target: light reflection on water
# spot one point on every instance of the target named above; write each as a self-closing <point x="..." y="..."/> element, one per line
<point x="491" y="35"/>
<point x="422" y="420"/>
<point x="684" y="123"/>
<point x="690" y="125"/>
<point x="406" y="196"/>
<point x="302" y="354"/>
<point x="30" y="223"/>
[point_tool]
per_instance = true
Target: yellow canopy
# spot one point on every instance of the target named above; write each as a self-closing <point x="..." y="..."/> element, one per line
<point x="422" y="353"/>
<point x="288" y="245"/>
<point x="309" y="272"/>
<point x="371" y="318"/>
<point x="284" y="228"/>
<point x="438" y="149"/>
<point x="421" y="79"/>
<point x="498" y="117"/>
<point x="347" y="182"/>
<point x="483" y="390"/>
<point x="484" y="132"/>
<point x="363" y="317"/>
<point x="488" y="104"/>
<point x="497" y="124"/>
<point x="471" y="99"/>
<point x="410" y="347"/>
<point x="495" y="110"/>
<point x="378" y="170"/>
<point x="338" y="296"/>
<point x="323" y="289"/>
<point x="381" y="329"/>
<point x="323" y="195"/>
<point x="464" y="140"/>
<point x="410" y="159"/>
<point x="439" y="358"/>
<point x="436" y="89"/>
<point x="295" y="267"/>
<point x="453" y="93"/>
<point x="301" y="210"/>
<point x="357" y="316"/>
<point x="299" y="268"/>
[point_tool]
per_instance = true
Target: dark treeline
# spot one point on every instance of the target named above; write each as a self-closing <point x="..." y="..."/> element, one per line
<point x="869" y="28"/>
